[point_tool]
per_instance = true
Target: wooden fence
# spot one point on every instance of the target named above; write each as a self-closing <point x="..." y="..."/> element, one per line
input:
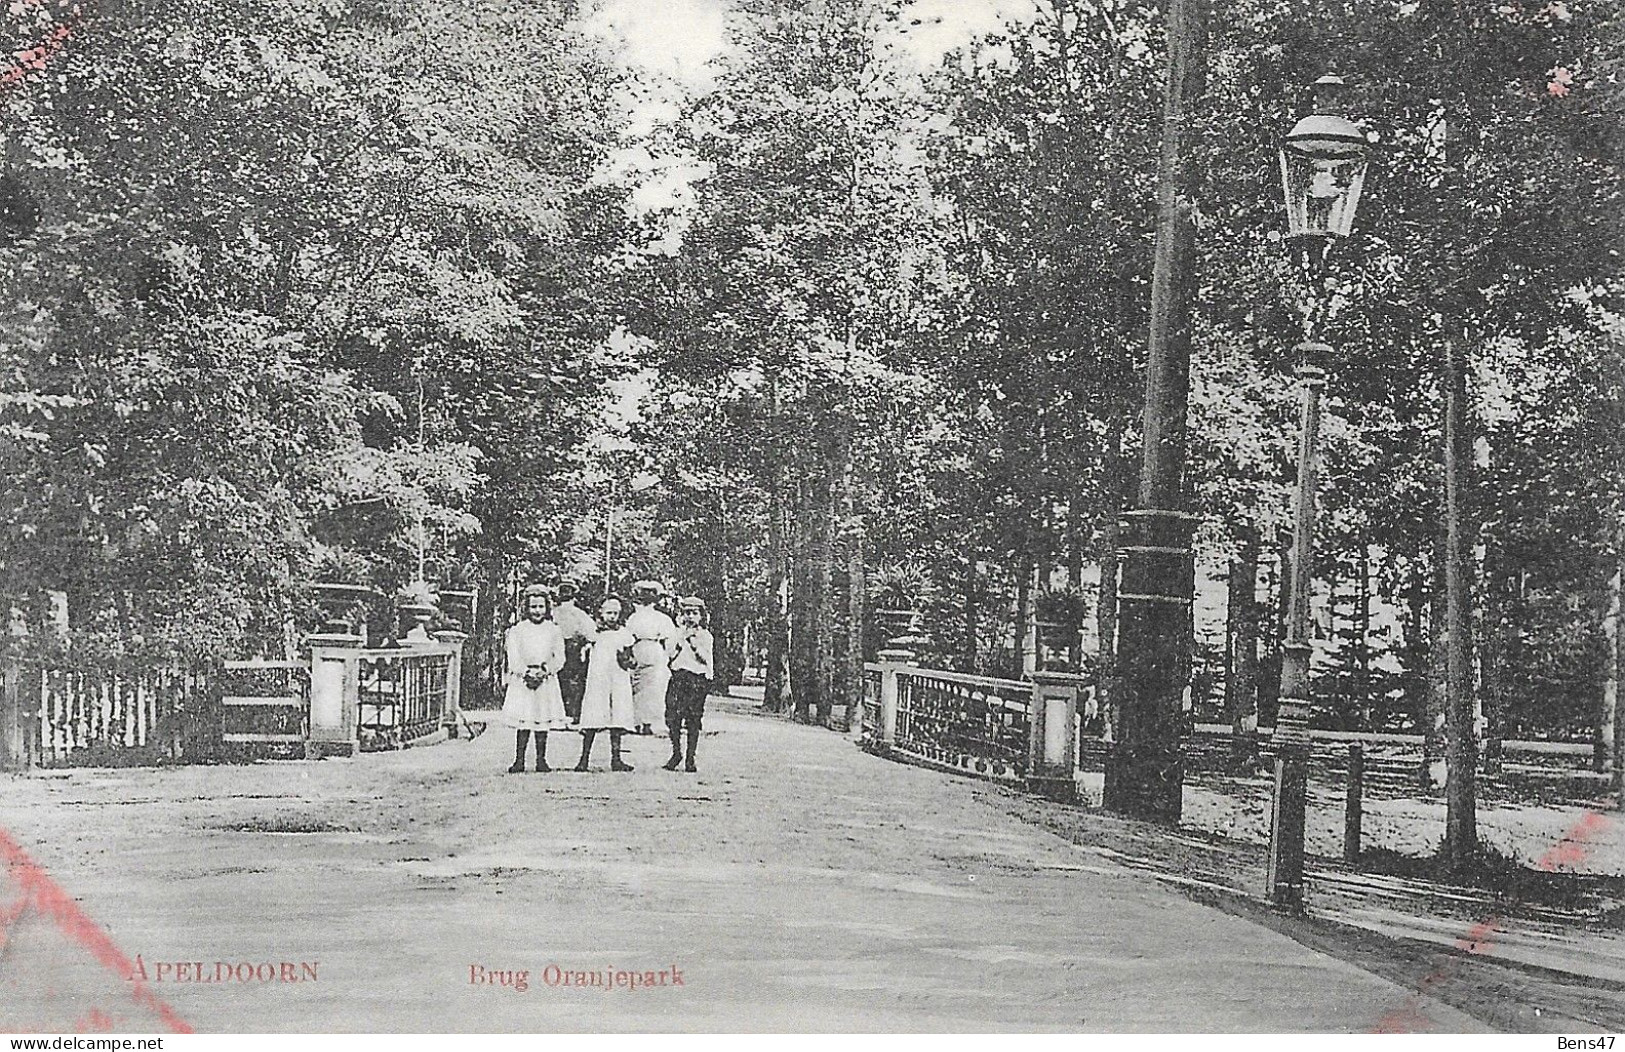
<point x="58" y="717"/>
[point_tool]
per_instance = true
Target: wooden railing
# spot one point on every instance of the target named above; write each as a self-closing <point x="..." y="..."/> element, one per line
<point x="264" y="708"/>
<point x="1393" y="763"/>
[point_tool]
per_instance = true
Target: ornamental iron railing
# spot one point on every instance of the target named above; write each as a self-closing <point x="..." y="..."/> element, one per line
<point x="973" y="724"/>
<point x="403" y="696"/>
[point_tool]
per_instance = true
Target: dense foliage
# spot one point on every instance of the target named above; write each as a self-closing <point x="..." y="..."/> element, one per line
<point x="295" y="290"/>
<point x="288" y="298"/>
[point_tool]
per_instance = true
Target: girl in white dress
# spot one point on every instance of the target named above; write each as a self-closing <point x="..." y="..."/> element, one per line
<point x="606" y="704"/>
<point x="533" y="704"/>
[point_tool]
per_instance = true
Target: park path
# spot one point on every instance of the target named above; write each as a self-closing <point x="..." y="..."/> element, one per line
<point x="796" y="882"/>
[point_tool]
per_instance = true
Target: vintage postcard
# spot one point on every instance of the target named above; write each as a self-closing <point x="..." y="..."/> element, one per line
<point x="807" y="516"/>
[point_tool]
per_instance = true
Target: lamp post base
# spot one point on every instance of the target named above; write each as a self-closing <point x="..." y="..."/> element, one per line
<point x="1286" y="831"/>
<point x="1290" y="800"/>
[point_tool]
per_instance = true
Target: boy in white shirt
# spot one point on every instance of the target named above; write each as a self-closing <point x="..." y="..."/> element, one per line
<point x="691" y="675"/>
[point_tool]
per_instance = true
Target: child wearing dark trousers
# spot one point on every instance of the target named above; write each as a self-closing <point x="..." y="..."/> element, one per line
<point x="691" y="672"/>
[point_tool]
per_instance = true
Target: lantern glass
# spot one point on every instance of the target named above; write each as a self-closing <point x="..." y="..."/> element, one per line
<point x="1322" y="192"/>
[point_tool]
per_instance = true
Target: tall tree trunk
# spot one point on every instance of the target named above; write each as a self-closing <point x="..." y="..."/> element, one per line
<point x="1437" y="690"/>
<point x="728" y="618"/>
<point x="1461" y="746"/>
<point x="1145" y="767"/>
<point x="972" y="664"/>
<point x="1616" y="654"/>
<point x="776" y="629"/>
<point x="1362" y="629"/>
<point x="1026" y="626"/>
<point x="1606" y="755"/>
<point x="1497" y="623"/>
<point x="775" y="695"/>
<point x="829" y="664"/>
<point x="1114" y="493"/>
<point x="804" y="604"/>
<point x="855" y="599"/>
<point x="1076" y="543"/>
<point x="1241" y="650"/>
<point x="1415" y="657"/>
<point x="1269" y="673"/>
<point x="483" y="654"/>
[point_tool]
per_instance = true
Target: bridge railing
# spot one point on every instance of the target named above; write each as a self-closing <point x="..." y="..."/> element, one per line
<point x="1027" y="732"/>
<point x="1015" y="731"/>
<point x="404" y="695"/>
<point x="365" y="700"/>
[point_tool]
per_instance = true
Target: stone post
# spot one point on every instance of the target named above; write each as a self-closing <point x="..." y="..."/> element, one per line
<point x="335" y="696"/>
<point x="455" y="639"/>
<point x="893" y="660"/>
<point x="1052" y="743"/>
<point x="13" y="749"/>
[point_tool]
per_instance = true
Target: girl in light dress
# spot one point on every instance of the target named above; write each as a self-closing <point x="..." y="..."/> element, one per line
<point x="606" y="703"/>
<point x="533" y="704"/>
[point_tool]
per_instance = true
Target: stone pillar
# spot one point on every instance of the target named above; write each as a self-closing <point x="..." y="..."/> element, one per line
<point x="893" y="660"/>
<point x="1052" y="744"/>
<point x="335" y="696"/>
<point x="13" y="749"/>
<point x="454" y="678"/>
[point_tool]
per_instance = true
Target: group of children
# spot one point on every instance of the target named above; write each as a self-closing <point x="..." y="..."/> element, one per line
<point x="619" y="673"/>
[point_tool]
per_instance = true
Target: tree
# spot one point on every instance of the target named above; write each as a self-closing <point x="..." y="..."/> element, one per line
<point x="361" y="333"/>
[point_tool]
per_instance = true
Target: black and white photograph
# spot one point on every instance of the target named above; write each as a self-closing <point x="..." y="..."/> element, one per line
<point x="579" y="517"/>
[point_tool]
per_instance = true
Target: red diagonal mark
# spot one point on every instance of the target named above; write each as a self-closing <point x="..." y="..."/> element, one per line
<point x="41" y="893"/>
<point x="31" y="59"/>
<point x="1570" y="849"/>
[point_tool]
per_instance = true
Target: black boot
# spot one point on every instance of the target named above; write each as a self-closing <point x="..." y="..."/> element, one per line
<point x="521" y="743"/>
<point x="541" y="753"/>
<point x="693" y="741"/>
<point x="586" y="749"/>
<point x="676" y="747"/>
<point x="615" y="762"/>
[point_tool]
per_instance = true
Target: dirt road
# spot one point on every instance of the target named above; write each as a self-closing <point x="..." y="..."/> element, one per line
<point x="794" y="884"/>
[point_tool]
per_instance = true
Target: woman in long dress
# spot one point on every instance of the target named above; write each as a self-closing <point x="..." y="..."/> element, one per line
<point x="533" y="704"/>
<point x="656" y="636"/>
<point x="606" y="703"/>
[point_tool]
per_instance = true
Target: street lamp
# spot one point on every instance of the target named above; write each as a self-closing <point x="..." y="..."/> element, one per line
<point x="1323" y="165"/>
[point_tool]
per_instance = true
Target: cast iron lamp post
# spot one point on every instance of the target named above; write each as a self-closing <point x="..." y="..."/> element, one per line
<point x="1323" y="165"/>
